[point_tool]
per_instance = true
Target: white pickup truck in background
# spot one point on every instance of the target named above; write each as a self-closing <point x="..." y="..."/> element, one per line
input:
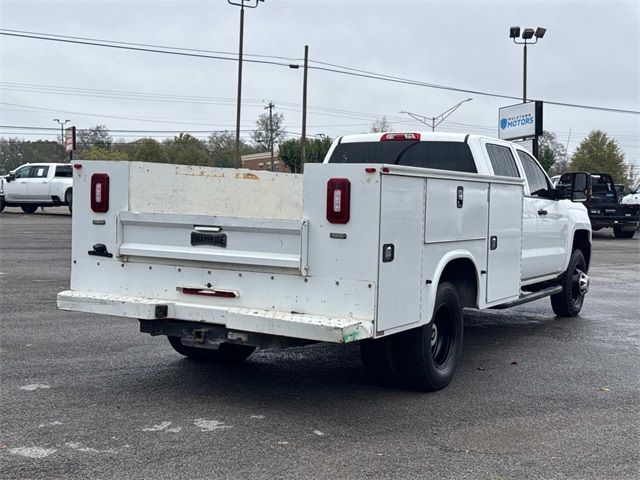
<point x="384" y="243"/>
<point x="632" y="198"/>
<point x="37" y="185"/>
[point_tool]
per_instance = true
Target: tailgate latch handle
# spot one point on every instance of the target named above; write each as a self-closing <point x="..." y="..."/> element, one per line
<point x="100" y="250"/>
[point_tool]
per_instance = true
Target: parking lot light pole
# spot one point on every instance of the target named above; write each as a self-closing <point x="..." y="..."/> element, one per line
<point x="241" y="4"/>
<point x="527" y="34"/>
<point x="62" y="124"/>
<point x="433" y="122"/>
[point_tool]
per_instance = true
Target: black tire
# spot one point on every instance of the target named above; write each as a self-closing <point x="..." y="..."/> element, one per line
<point x="68" y="199"/>
<point x="619" y="233"/>
<point x="378" y="361"/>
<point x="29" y="208"/>
<point x="228" y="352"/>
<point x="568" y="303"/>
<point x="426" y="357"/>
<point x="2" y="204"/>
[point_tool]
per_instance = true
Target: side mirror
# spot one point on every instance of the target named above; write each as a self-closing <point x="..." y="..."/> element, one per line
<point x="11" y="176"/>
<point x="562" y="192"/>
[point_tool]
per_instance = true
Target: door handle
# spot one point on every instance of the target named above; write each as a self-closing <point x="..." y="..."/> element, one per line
<point x="542" y="212"/>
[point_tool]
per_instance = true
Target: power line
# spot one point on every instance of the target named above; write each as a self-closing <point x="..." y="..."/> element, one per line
<point x="334" y="69"/>
<point x="138" y="49"/>
<point x="104" y="116"/>
<point x="149" y="45"/>
<point x="475" y="92"/>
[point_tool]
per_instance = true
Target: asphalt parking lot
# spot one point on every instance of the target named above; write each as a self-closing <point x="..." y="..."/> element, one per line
<point x="535" y="396"/>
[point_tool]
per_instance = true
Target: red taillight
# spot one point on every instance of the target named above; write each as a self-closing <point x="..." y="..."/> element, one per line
<point x="391" y="137"/>
<point x="77" y="166"/>
<point x="100" y="192"/>
<point x="370" y="170"/>
<point x="338" y="200"/>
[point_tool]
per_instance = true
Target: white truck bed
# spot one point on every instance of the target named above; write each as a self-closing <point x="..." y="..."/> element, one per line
<point x="284" y="268"/>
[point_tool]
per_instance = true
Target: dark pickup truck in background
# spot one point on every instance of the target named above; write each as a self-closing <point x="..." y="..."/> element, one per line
<point x="599" y="195"/>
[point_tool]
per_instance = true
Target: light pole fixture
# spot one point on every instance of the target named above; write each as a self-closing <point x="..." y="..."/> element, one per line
<point x="527" y="35"/>
<point x="433" y="122"/>
<point x="62" y="124"/>
<point x="241" y="4"/>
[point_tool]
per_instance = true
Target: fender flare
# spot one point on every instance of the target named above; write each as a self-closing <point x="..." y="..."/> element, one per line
<point x="442" y="264"/>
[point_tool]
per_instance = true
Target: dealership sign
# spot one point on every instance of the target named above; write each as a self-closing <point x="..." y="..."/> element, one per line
<point x="70" y="139"/>
<point x="523" y="120"/>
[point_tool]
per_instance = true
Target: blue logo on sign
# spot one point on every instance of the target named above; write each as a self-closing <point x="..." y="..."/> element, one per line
<point x="517" y="121"/>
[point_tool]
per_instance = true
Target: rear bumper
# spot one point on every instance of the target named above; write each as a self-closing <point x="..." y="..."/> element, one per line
<point x="291" y="325"/>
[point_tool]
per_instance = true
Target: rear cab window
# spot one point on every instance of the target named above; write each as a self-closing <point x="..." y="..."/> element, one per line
<point x="453" y="156"/>
<point x="602" y="189"/>
<point x="502" y="160"/>
<point x="536" y="178"/>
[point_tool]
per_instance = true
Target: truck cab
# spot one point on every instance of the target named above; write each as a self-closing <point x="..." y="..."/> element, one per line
<point x="549" y="220"/>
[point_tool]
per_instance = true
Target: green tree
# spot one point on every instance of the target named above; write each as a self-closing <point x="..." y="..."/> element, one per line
<point x="381" y="124"/>
<point x="222" y="148"/>
<point x="598" y="153"/>
<point x="551" y="154"/>
<point x="15" y="152"/>
<point x="149" y="150"/>
<point x="290" y="151"/>
<point x="97" y="136"/>
<point x="11" y="153"/>
<point x="98" y="153"/>
<point x="269" y="131"/>
<point x="185" y="149"/>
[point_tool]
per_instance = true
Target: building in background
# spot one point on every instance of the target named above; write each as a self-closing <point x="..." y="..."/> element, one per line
<point x="262" y="161"/>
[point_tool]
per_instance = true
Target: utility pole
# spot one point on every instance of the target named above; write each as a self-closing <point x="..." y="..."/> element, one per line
<point x="303" y="140"/>
<point x="241" y="4"/>
<point x="271" y="106"/>
<point x="62" y="124"/>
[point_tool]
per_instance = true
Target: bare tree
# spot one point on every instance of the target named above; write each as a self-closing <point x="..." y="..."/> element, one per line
<point x="381" y="124"/>
<point x="269" y="132"/>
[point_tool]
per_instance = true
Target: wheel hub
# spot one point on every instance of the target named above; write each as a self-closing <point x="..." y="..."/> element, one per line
<point x="581" y="281"/>
<point x="434" y="334"/>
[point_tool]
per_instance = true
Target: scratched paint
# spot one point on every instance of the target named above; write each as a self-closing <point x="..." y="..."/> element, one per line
<point x="33" y="452"/>
<point x="247" y="176"/>
<point x="210" y="425"/>
<point x="34" y="386"/>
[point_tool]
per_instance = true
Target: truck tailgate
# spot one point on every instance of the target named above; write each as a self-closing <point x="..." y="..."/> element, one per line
<point x="211" y="239"/>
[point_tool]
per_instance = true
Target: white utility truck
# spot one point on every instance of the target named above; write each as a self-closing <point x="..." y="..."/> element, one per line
<point x="384" y="243"/>
<point x="36" y="185"/>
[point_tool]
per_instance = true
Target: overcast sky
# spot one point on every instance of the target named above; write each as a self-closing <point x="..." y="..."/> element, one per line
<point x="589" y="56"/>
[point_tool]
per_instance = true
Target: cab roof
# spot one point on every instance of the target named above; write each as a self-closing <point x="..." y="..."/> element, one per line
<point x="424" y="136"/>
